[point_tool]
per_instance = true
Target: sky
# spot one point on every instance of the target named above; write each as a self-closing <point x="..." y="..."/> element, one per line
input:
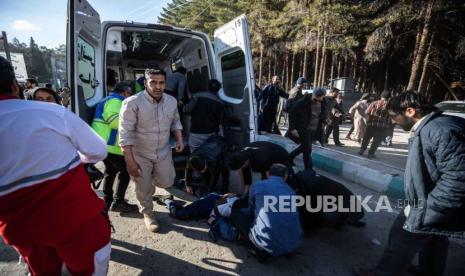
<point x="45" y="20"/>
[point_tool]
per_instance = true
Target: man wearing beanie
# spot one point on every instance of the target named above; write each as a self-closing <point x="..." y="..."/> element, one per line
<point x="295" y="93"/>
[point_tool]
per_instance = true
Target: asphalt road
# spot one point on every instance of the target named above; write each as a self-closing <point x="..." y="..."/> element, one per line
<point x="184" y="248"/>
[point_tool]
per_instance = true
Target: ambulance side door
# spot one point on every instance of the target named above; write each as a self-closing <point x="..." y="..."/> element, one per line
<point x="84" y="58"/>
<point x="234" y="69"/>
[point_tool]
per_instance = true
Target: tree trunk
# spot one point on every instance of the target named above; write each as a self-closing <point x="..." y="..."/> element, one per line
<point x="286" y="72"/>
<point x="291" y="80"/>
<point x="275" y="67"/>
<point x="424" y="73"/>
<point x="304" y="66"/>
<point x="269" y="67"/>
<point x="354" y="68"/>
<point x="339" y="65"/>
<point x="346" y="65"/>
<point x="417" y="62"/>
<point x="386" y="74"/>
<point x="323" y="58"/>
<point x="419" y="28"/>
<point x="332" y="71"/>
<point x="260" y="65"/>
<point x="317" y="58"/>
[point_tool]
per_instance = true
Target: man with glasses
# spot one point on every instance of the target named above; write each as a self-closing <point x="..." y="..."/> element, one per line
<point x="434" y="188"/>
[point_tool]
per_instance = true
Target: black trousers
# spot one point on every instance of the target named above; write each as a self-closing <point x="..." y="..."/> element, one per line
<point x="332" y="128"/>
<point x="113" y="164"/>
<point x="403" y="246"/>
<point x="305" y="140"/>
<point x="267" y="121"/>
<point x="352" y="128"/>
<point x="377" y="133"/>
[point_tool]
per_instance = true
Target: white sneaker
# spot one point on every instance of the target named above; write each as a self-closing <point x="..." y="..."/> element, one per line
<point x="151" y="223"/>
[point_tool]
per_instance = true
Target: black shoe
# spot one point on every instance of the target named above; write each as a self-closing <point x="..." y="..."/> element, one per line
<point x="160" y="199"/>
<point x="123" y="207"/>
<point x="339" y="144"/>
<point x="371" y="156"/>
<point x="361" y="152"/>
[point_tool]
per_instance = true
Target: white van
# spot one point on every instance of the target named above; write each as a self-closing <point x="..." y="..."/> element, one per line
<point x="128" y="48"/>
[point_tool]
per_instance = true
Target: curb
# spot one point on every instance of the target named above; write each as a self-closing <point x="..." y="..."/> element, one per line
<point x="373" y="175"/>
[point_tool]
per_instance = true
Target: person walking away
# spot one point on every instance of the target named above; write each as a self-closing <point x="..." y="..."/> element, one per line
<point x="304" y="121"/>
<point x="378" y="121"/>
<point x="268" y="103"/>
<point x="336" y="118"/>
<point x="146" y="120"/>
<point x="48" y="210"/>
<point x="357" y="111"/>
<point x="329" y="103"/>
<point x="105" y="124"/>
<point x="207" y="114"/>
<point x="434" y="189"/>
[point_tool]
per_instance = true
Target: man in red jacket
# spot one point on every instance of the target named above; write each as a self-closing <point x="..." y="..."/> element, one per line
<point x="48" y="211"/>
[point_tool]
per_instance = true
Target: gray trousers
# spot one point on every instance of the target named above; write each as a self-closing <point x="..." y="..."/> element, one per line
<point x="403" y="246"/>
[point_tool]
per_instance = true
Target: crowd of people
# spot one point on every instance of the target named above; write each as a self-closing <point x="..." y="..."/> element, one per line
<point x="51" y="216"/>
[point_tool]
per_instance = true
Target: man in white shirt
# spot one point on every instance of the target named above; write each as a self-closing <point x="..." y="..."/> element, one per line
<point x="146" y="120"/>
<point x="48" y="210"/>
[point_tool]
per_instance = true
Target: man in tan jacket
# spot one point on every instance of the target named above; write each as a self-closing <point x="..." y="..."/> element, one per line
<point x="146" y="120"/>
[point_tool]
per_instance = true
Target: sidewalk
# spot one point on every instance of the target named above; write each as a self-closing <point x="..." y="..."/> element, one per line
<point x="385" y="174"/>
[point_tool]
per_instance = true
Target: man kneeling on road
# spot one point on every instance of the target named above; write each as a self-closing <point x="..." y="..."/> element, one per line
<point x="205" y="165"/>
<point x="258" y="157"/>
<point x="146" y="120"/>
<point x="434" y="188"/>
<point x="268" y="229"/>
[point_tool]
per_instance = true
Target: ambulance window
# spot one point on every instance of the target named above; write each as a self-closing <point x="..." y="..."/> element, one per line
<point x="86" y="68"/>
<point x="234" y="74"/>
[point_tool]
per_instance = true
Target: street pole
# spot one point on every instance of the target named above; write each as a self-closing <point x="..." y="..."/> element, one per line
<point x="6" y="46"/>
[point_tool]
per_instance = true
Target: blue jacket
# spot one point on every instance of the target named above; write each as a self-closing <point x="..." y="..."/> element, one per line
<point x="277" y="233"/>
<point x="435" y="177"/>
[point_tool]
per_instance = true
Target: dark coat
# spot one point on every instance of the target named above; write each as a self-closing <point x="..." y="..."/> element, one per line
<point x="435" y="177"/>
<point x="269" y="98"/>
<point x="301" y="113"/>
<point x="207" y="112"/>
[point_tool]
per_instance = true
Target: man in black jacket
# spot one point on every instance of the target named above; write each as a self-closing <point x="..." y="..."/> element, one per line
<point x="205" y="165"/>
<point x="336" y="118"/>
<point x="207" y="112"/>
<point x="257" y="157"/>
<point x="434" y="188"/>
<point x="268" y="101"/>
<point x="304" y="121"/>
